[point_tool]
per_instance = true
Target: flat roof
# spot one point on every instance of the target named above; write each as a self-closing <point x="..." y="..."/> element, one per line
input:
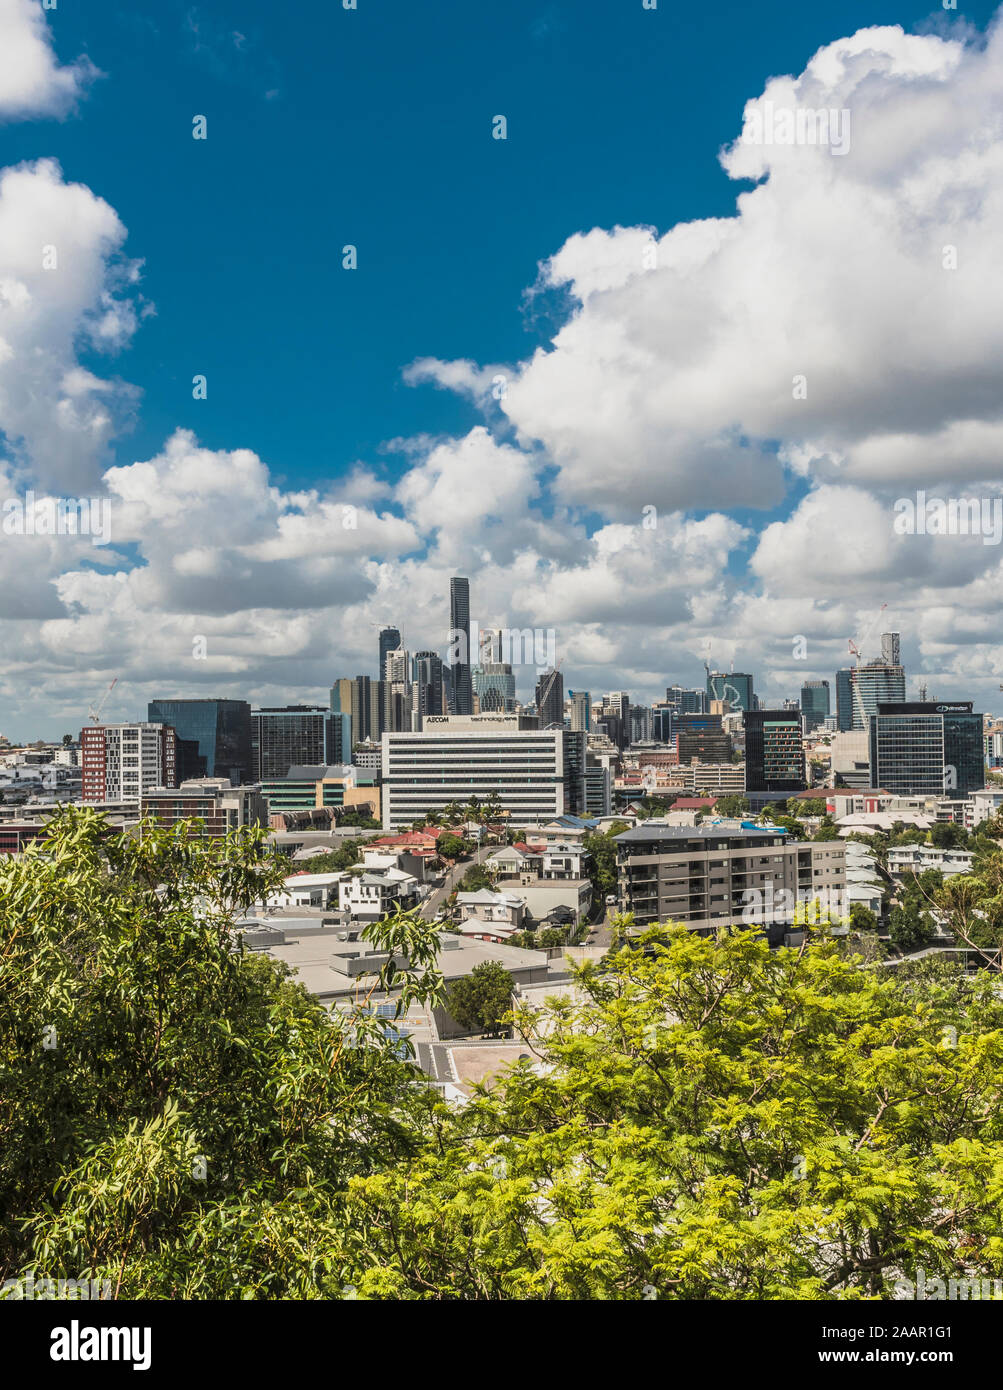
<point x="696" y="832"/>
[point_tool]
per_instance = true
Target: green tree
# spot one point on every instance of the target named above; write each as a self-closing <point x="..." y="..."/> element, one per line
<point x="476" y="878"/>
<point x="481" y="1000"/>
<point x="908" y="927"/>
<point x="862" y="919"/>
<point x="948" y="835"/>
<point x="451" y="846"/>
<point x="826" y="832"/>
<point x="731" y="806"/>
<point x="715" y="1120"/>
<point x="600" y="847"/>
<point x="163" y="1092"/>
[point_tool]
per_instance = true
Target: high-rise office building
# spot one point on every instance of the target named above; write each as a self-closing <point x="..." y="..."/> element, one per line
<point x="295" y="734"/>
<point x="732" y="687"/>
<point x="891" y="649"/>
<point x="774" y="752"/>
<point x="494" y="686"/>
<point x="221" y="728"/>
<point x="662" y="717"/>
<point x="121" y="762"/>
<point x="702" y="736"/>
<point x="398" y="690"/>
<point x="459" y="638"/>
<point x="581" y="710"/>
<point x="427" y="674"/>
<point x="537" y="773"/>
<point x="361" y="698"/>
<point x="640" y="724"/>
<point x="927" y="749"/>
<point x="685" y="701"/>
<point x="390" y="640"/>
<point x="860" y="690"/>
<point x="814" y="703"/>
<point x="550" y="699"/>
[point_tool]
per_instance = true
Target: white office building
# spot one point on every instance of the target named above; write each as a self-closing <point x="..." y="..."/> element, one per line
<point x="537" y="773"/>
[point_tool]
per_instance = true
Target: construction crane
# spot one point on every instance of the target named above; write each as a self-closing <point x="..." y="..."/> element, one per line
<point x="855" y="650"/>
<point x="94" y="715"/>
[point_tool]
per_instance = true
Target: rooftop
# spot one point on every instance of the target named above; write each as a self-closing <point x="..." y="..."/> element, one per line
<point x="696" y="832"/>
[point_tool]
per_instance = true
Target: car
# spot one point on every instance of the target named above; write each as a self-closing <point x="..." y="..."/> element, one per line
<point x="611" y="900"/>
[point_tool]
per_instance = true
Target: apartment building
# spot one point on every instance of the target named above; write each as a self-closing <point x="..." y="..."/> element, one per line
<point x="708" y="877"/>
<point x="122" y="762"/>
<point x="210" y="805"/>
<point x="537" y="773"/>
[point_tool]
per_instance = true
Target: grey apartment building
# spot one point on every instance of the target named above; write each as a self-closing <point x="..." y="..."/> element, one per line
<point x="702" y="876"/>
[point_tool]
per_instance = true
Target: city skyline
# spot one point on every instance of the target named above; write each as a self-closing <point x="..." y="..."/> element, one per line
<point x="750" y="515"/>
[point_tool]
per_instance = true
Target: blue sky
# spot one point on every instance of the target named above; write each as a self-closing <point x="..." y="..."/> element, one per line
<point x="373" y="127"/>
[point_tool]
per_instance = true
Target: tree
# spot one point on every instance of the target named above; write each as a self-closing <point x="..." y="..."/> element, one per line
<point x="162" y="1091"/>
<point x="826" y="832"/>
<point x="481" y="1000"/>
<point x="811" y="806"/>
<point x="909" y="928"/>
<point x="862" y="919"/>
<point x="475" y="879"/>
<point x="793" y="827"/>
<point x="712" y="1120"/>
<point x="67" y="740"/>
<point x="948" y="835"/>
<point x="601" y="863"/>
<point x="451" y="846"/>
<point x="731" y="806"/>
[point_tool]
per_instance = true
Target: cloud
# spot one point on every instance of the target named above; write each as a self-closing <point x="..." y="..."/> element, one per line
<point x="64" y="286"/>
<point x="32" y="83"/>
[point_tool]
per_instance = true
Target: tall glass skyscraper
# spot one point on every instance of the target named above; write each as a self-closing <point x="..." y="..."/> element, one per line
<point x="390" y="640"/>
<point x="876" y="683"/>
<point x="814" y="703"/>
<point x="459" y="623"/>
<point x="734" y="687"/>
<point x="221" y="728"/>
<point x="927" y="749"/>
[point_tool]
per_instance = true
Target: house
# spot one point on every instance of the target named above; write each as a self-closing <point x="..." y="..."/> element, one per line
<point x="308" y="890"/>
<point x="369" y="896"/>
<point x="917" y="859"/>
<point x="487" y="907"/>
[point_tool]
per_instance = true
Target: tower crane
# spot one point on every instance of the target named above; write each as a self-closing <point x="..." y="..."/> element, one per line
<point x="94" y="715"/>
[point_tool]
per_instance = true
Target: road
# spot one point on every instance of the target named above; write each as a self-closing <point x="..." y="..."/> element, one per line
<point x="436" y="898"/>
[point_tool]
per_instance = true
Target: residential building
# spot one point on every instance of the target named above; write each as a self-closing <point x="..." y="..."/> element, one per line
<point x="211" y="806"/>
<point x="361" y="698"/>
<point x="220" y="728"/>
<point x="581" y="710"/>
<point x="120" y="762"/>
<point x="708" y="877"/>
<point x="774" y="752"/>
<point x="369" y="896"/>
<point x="916" y="859"/>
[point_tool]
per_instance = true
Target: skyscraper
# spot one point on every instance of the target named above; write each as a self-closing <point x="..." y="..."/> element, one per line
<point x="685" y="701"/>
<point x="427" y="674"/>
<point x="550" y="699"/>
<point x="361" y="698"/>
<point x="774" y="753"/>
<point x="390" y="640"/>
<point x="860" y="690"/>
<point x="890" y="648"/>
<point x="221" y="728"/>
<point x="581" y="710"/>
<point x="494" y="686"/>
<point x="927" y="749"/>
<point x="296" y="734"/>
<point x="733" y="687"/>
<point x="814" y="703"/>
<point x="459" y="639"/>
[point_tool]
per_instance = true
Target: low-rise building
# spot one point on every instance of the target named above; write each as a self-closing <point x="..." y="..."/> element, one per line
<point x="903" y="859"/>
<point x="368" y="896"/>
